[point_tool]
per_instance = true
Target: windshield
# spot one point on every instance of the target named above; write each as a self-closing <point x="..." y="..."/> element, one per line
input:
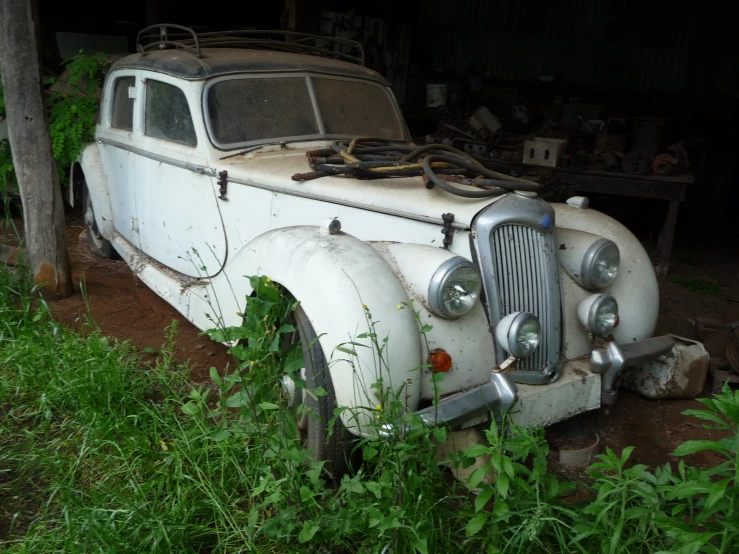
<point x="248" y="110"/>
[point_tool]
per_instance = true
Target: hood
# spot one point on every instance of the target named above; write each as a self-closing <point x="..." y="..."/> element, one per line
<point x="404" y="197"/>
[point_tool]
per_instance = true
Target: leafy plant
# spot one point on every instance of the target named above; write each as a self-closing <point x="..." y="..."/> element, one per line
<point x="102" y="451"/>
<point x="73" y="113"/>
<point x="703" y="510"/>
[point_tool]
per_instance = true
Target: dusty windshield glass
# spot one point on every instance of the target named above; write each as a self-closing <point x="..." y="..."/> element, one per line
<point x="357" y="109"/>
<point x="257" y="109"/>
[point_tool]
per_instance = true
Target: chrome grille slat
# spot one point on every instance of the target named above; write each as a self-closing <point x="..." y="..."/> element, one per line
<point x="523" y="269"/>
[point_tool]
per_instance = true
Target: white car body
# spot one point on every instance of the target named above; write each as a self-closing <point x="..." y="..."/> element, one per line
<point x="162" y="207"/>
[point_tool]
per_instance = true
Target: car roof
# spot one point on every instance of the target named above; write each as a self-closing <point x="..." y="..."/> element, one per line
<point x="227" y="61"/>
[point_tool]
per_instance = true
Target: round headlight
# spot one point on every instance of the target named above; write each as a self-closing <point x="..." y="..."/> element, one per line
<point x="455" y="288"/>
<point x="600" y="264"/>
<point x="519" y="334"/>
<point x="599" y="313"/>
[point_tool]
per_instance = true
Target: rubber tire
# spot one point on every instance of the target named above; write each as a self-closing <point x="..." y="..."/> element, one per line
<point x="334" y="450"/>
<point x="105" y="249"/>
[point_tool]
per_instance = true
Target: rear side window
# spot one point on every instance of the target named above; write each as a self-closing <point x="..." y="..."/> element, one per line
<point x="122" y="116"/>
<point x="167" y="114"/>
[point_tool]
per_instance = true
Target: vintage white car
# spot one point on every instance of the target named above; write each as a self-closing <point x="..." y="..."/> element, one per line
<point x="190" y="181"/>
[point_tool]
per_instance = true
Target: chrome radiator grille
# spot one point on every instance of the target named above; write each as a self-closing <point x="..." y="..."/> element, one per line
<point x="525" y="275"/>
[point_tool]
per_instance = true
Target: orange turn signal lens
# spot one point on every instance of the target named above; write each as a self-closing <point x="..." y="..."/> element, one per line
<point x="440" y="361"/>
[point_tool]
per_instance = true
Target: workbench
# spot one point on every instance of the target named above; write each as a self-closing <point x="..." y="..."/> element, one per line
<point x="671" y="189"/>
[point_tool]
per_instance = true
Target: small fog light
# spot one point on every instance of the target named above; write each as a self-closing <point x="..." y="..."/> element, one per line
<point x="598" y="313"/>
<point x="519" y="334"/>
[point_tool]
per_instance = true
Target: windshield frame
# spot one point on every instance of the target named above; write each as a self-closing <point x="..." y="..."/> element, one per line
<point x="322" y="135"/>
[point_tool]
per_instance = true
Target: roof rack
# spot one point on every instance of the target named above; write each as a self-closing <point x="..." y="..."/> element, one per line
<point x="283" y="41"/>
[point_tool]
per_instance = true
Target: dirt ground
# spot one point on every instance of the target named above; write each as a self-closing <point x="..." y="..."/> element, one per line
<point x="701" y="283"/>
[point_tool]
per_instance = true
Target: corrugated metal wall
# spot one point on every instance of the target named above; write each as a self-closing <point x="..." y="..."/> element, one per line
<point x="668" y="46"/>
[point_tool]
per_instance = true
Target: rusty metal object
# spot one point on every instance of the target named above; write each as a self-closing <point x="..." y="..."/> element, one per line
<point x="636" y="161"/>
<point x="309" y="176"/>
<point x="664" y="164"/>
<point x="732" y="355"/>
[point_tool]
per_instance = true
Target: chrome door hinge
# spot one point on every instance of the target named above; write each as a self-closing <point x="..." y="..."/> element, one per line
<point x="134" y="224"/>
<point x="201" y="169"/>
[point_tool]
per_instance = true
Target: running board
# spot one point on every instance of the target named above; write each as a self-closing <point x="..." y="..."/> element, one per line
<point x="175" y="288"/>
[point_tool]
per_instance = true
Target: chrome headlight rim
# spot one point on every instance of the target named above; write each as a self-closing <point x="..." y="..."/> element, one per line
<point x="439" y="280"/>
<point x="592" y="254"/>
<point x="595" y="307"/>
<point x="508" y="329"/>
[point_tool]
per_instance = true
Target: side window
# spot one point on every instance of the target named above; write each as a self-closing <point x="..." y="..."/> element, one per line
<point x="167" y="114"/>
<point x="122" y="115"/>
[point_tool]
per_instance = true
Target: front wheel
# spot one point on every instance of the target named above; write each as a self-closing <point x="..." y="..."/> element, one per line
<point x="328" y="441"/>
<point x="95" y="241"/>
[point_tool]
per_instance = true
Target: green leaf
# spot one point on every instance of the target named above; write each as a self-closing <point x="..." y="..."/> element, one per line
<point x="716" y="493"/>
<point x="687" y="489"/>
<point x="475" y="524"/>
<point x="238" y="399"/>
<point x="477" y="476"/>
<point x="625" y="454"/>
<point x="368" y="452"/>
<point x="307" y="532"/>
<point x="374" y="488"/>
<point x="220" y="435"/>
<point x="191" y="408"/>
<point x="502" y="485"/>
<point x="149" y="350"/>
<point x="265" y="406"/>
<point x="214" y="376"/>
<point x="508" y="467"/>
<point x="440" y="434"/>
<point x="476" y="450"/>
<point x="500" y="508"/>
<point x="306" y="493"/>
<point x="691" y="447"/>
<point x="483" y="498"/>
<point x="375" y="516"/>
<point x="420" y="545"/>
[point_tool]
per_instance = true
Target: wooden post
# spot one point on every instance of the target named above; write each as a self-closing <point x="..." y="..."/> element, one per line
<point x="33" y="160"/>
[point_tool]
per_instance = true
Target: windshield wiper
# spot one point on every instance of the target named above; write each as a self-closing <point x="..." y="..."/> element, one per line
<point x="282" y="143"/>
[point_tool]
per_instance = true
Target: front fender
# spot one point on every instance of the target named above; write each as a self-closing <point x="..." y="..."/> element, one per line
<point x="635" y="287"/>
<point x="339" y="281"/>
<point x="97" y="186"/>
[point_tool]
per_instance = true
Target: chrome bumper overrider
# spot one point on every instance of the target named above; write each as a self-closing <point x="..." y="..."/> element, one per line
<point x="610" y="360"/>
<point x="497" y="395"/>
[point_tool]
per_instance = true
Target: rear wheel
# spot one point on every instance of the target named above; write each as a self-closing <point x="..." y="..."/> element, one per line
<point x="95" y="241"/>
<point x="327" y="440"/>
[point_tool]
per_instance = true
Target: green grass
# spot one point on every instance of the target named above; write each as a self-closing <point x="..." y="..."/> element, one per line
<point x="101" y="453"/>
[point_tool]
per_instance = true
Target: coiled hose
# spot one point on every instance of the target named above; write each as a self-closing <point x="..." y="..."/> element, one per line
<point x="442" y="165"/>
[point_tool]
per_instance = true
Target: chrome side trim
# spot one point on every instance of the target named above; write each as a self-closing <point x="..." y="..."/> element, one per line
<point x="527" y="224"/>
<point x="158" y="157"/>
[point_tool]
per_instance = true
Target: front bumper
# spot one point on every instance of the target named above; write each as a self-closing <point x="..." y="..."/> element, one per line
<point x="582" y="385"/>
<point x="612" y="358"/>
